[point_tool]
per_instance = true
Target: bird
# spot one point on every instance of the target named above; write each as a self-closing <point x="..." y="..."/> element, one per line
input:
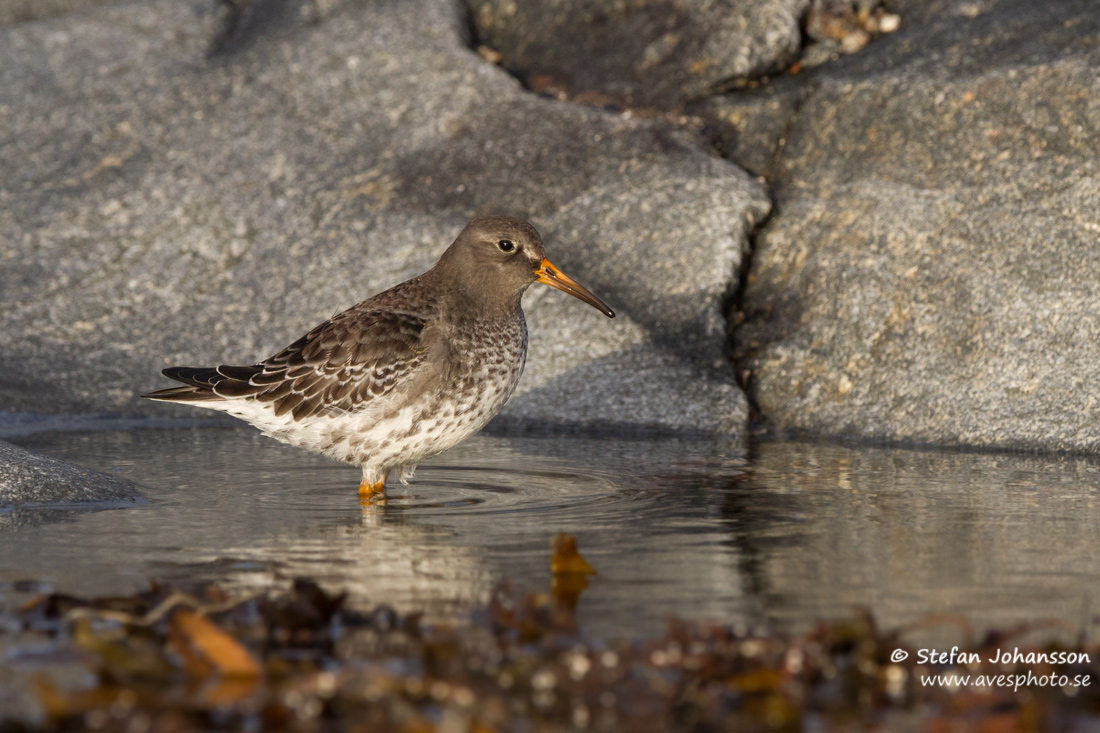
<point x="405" y="374"/>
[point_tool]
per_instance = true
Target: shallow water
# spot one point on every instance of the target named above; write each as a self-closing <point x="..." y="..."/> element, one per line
<point x="782" y="536"/>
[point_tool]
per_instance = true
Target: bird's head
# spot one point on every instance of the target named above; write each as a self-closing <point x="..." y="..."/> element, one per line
<point x="501" y="256"/>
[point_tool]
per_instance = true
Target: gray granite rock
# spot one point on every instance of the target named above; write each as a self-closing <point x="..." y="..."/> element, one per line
<point x="749" y="127"/>
<point x="22" y="11"/>
<point x="30" y="478"/>
<point x="642" y="53"/>
<point x="931" y="272"/>
<point x="185" y="185"/>
<point x="918" y="12"/>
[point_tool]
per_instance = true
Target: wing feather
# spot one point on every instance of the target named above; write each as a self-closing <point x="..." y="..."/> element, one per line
<point x="343" y="364"/>
<point x="359" y="357"/>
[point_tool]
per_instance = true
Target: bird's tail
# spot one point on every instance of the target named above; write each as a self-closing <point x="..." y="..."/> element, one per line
<point x="199" y="384"/>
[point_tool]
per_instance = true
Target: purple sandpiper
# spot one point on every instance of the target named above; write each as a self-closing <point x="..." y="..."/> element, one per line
<point x="405" y="374"/>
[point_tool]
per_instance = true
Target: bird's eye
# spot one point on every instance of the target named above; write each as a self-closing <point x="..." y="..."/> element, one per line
<point x="506" y="245"/>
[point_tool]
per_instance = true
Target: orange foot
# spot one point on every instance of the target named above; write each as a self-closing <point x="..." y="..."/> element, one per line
<point x="369" y="490"/>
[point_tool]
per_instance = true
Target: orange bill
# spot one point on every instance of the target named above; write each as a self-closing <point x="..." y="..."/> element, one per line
<point x="555" y="278"/>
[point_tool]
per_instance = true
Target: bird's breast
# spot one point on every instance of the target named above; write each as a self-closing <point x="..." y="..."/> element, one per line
<point x="487" y="361"/>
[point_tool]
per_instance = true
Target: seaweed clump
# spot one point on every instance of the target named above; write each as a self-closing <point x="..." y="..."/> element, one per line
<point x="174" y="659"/>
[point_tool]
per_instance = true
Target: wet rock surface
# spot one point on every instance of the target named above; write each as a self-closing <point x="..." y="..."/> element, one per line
<point x="930" y="274"/>
<point x="28" y="478"/>
<point x="197" y="184"/>
<point x="649" y="53"/>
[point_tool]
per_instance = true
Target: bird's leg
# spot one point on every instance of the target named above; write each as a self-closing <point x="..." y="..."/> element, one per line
<point x="369" y="488"/>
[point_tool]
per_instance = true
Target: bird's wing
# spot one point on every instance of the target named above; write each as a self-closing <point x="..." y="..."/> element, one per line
<point x="357" y="359"/>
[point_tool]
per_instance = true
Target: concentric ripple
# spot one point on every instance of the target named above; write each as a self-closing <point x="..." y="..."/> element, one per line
<point x="497" y="490"/>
